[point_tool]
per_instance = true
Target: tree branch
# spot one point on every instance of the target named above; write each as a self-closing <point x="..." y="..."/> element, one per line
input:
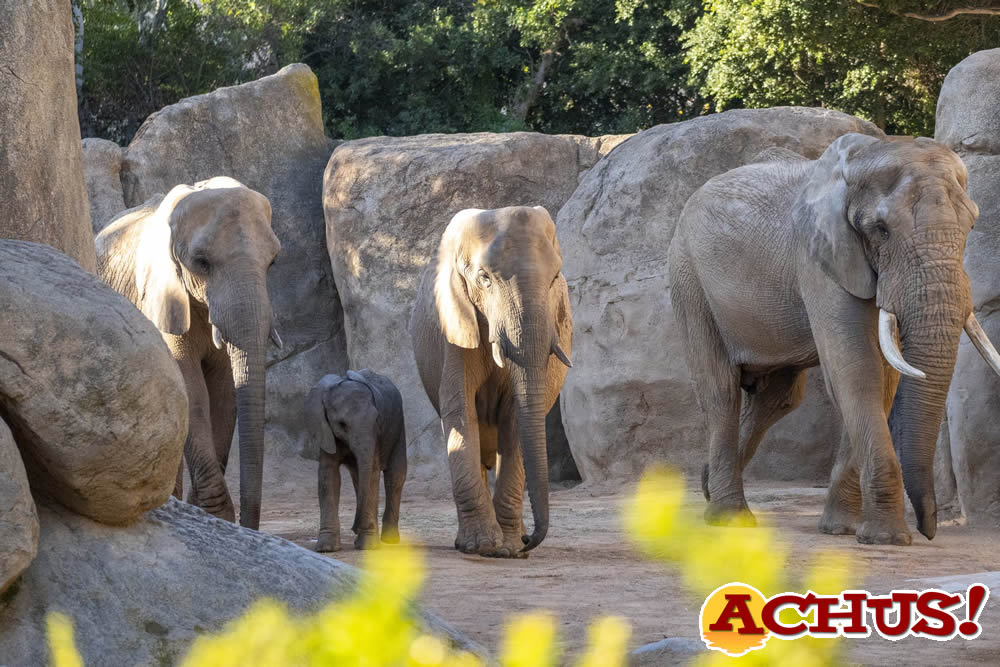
<point x="936" y="18"/>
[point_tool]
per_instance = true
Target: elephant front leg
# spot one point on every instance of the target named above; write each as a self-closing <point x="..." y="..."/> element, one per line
<point x="508" y="498"/>
<point x="478" y="530"/>
<point x="367" y="512"/>
<point x="329" y="503"/>
<point x="842" y="512"/>
<point x="208" y="485"/>
<point x="394" y="476"/>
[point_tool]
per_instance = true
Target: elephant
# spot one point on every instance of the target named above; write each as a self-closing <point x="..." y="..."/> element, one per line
<point x="357" y="420"/>
<point x="195" y="262"/>
<point x="852" y="262"/>
<point x="492" y="332"/>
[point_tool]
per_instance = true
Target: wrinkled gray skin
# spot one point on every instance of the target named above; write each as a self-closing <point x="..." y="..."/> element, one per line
<point x="195" y="263"/>
<point x="780" y="266"/>
<point x="357" y="421"/>
<point x="491" y="329"/>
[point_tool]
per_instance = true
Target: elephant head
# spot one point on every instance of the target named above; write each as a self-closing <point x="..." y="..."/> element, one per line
<point x="889" y="221"/>
<point x="209" y="247"/>
<point x="498" y="287"/>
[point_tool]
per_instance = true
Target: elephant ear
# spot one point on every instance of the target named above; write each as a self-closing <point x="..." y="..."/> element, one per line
<point x="455" y="310"/>
<point x="821" y="206"/>
<point x="158" y="278"/>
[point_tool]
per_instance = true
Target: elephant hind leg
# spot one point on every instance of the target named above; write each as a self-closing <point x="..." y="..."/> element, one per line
<point x="776" y="394"/>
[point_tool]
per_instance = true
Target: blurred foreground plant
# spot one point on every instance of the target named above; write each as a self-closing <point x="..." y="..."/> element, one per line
<point x="708" y="557"/>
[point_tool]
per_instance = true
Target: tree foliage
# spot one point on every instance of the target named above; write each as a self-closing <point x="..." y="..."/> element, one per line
<point x="583" y="66"/>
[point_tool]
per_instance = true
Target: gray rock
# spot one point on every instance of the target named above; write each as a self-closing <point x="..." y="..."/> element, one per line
<point x="387" y="200"/>
<point x="88" y="387"/>
<point x="629" y="399"/>
<point x="670" y="651"/>
<point x="140" y="595"/>
<point x="102" y="164"/>
<point x="267" y="134"/>
<point x="42" y="194"/>
<point x="18" y="520"/>
<point x="967" y="120"/>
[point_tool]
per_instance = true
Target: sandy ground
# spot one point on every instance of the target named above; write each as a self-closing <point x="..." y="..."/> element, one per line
<point x="587" y="567"/>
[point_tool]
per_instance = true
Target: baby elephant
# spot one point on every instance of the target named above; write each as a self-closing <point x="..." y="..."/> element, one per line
<point x="358" y="422"/>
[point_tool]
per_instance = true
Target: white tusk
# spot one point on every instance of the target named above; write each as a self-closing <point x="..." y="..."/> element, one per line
<point x="560" y="355"/>
<point x="887" y="328"/>
<point x="497" y="354"/>
<point x="275" y="338"/>
<point x="217" y="337"/>
<point x="982" y="342"/>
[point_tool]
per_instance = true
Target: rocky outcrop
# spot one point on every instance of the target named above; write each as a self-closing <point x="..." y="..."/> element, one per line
<point x="629" y="399"/>
<point x="140" y="595"/>
<point x="267" y="134"/>
<point x="387" y="201"/>
<point x="102" y="164"/>
<point x="88" y="387"/>
<point x="967" y="122"/>
<point x="42" y="195"/>
<point x="18" y="520"/>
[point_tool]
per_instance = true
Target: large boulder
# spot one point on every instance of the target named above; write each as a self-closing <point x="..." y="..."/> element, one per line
<point x="629" y="398"/>
<point x="967" y="122"/>
<point x="102" y="165"/>
<point x="18" y="520"/>
<point x="387" y="201"/>
<point x="88" y="387"/>
<point x="42" y="195"/>
<point x="267" y="134"/>
<point x="140" y="595"/>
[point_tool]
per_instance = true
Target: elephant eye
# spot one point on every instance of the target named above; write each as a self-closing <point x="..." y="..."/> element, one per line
<point x="483" y="279"/>
<point x="201" y="265"/>
<point x="882" y="230"/>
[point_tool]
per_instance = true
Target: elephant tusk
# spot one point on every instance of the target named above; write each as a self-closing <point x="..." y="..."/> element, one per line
<point x="982" y="342"/>
<point x="275" y="338"/>
<point x="887" y="331"/>
<point x="497" y="354"/>
<point x="217" y="337"/>
<point x="560" y="355"/>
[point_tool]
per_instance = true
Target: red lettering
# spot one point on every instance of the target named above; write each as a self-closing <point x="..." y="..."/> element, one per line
<point x="854" y="612"/>
<point x="927" y="612"/>
<point x="880" y="607"/>
<point x="770" y="614"/>
<point x="736" y="607"/>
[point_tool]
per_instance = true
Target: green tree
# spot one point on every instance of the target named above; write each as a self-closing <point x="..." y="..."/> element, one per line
<point x="862" y="59"/>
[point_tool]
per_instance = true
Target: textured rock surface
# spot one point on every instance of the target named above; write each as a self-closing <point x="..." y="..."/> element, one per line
<point x="268" y="135"/>
<point x="670" y="651"/>
<point x="102" y="164"/>
<point x="18" y="520"/>
<point x="387" y="201"/>
<point x="42" y="195"/>
<point x="94" y="399"/>
<point x="967" y="122"/>
<point x="629" y="399"/>
<point x="139" y="595"/>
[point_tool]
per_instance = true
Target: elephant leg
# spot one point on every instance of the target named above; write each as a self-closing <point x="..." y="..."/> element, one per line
<point x="208" y="485"/>
<point x="488" y="434"/>
<point x="858" y="381"/>
<point x="508" y="497"/>
<point x="478" y="530"/>
<point x="368" y="478"/>
<point x="329" y="503"/>
<point x="394" y="476"/>
<point x="222" y="398"/>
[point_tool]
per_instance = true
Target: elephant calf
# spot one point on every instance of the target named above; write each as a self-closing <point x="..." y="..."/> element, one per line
<point x="357" y="420"/>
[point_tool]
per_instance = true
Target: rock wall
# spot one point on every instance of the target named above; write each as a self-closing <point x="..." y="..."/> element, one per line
<point x="629" y="399"/>
<point x="968" y="123"/>
<point x="267" y="134"/>
<point x="42" y="194"/>
<point x="102" y="165"/>
<point x="18" y="518"/>
<point x="140" y="595"/>
<point x="387" y="201"/>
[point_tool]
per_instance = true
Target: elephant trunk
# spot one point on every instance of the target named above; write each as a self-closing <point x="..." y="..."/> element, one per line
<point x="529" y="396"/>
<point x="929" y="335"/>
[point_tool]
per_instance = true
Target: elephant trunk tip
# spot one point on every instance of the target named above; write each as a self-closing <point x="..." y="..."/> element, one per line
<point x="926" y="511"/>
<point x="536" y="537"/>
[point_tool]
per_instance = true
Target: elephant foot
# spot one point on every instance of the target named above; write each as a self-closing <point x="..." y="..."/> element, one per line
<point x="735" y="515"/>
<point x="884" y="532"/>
<point x="512" y="544"/>
<point x="839" y="521"/>
<point x="479" y="536"/>
<point x="366" y="541"/>
<point x="390" y="534"/>
<point x="327" y="542"/>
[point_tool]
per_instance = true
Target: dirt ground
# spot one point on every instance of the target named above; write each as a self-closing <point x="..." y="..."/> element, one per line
<point x="587" y="567"/>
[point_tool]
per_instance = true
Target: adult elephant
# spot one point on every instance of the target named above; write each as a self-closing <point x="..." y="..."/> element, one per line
<point x="195" y="263"/>
<point x="491" y="329"/>
<point x="854" y="262"/>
